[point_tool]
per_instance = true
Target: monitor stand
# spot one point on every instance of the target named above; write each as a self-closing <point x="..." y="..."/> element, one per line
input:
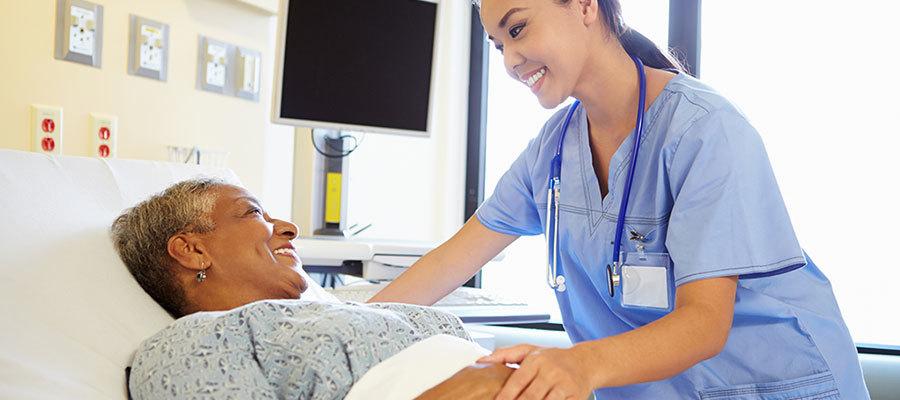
<point x="335" y="185"/>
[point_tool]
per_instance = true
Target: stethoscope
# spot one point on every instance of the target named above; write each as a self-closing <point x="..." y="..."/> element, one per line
<point x="551" y="232"/>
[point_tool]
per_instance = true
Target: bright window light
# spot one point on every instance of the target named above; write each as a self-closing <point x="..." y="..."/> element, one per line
<point x="817" y="80"/>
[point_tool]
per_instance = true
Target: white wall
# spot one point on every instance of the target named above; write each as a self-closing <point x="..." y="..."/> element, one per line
<point x="152" y="114"/>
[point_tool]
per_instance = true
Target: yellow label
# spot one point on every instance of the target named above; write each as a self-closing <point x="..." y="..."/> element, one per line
<point x="333" y="198"/>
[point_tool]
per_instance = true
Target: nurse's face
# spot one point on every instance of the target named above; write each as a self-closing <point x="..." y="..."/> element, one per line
<point x="543" y="43"/>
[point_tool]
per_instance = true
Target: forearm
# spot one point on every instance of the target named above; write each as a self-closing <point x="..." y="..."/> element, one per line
<point x="446" y="267"/>
<point x="427" y="281"/>
<point x="668" y="346"/>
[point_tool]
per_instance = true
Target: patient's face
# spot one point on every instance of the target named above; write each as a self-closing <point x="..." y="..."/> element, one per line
<point x="251" y="253"/>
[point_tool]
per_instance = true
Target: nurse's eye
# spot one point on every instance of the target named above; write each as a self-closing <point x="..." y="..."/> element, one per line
<point x="516" y="30"/>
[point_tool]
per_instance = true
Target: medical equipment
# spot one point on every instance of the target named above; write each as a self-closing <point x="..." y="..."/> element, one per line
<point x="463" y="296"/>
<point x="558" y="281"/>
<point x="471" y="305"/>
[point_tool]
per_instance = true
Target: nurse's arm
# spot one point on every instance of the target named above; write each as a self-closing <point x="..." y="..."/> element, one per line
<point x="447" y="267"/>
<point x="696" y="330"/>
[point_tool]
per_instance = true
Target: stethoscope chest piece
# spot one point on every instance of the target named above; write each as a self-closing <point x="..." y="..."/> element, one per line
<point x="612" y="279"/>
<point x="560" y="283"/>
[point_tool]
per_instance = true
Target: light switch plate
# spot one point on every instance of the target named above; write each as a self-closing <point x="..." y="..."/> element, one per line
<point x="46" y="129"/>
<point x="214" y="66"/>
<point x="148" y="49"/>
<point x="247" y="66"/>
<point x="79" y="32"/>
<point x="104" y="131"/>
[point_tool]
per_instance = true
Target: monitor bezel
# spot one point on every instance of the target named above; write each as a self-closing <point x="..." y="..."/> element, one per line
<point x="313" y="124"/>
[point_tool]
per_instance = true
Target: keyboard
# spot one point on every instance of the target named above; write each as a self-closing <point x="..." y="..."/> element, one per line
<point x="464" y="296"/>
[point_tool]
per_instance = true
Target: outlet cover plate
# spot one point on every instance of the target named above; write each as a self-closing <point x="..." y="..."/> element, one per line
<point x="46" y="129"/>
<point x="104" y="131"/>
<point x="148" y="49"/>
<point x="214" y="66"/>
<point x="79" y="32"/>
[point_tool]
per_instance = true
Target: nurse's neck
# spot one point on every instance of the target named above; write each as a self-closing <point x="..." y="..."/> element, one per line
<point x="608" y="89"/>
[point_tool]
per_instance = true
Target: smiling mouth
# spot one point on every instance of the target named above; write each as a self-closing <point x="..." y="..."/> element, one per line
<point x="536" y="77"/>
<point x="286" y="252"/>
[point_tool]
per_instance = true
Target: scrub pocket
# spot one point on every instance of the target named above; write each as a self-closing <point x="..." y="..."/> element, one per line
<point x="820" y="386"/>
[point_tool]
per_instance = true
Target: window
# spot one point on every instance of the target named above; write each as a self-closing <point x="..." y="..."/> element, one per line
<point x="816" y="79"/>
<point x="514" y="117"/>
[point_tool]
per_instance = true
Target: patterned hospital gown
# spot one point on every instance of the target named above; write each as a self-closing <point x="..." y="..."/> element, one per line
<point x="279" y="349"/>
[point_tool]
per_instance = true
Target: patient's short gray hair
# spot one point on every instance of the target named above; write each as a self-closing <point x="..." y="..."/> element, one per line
<point x="141" y="235"/>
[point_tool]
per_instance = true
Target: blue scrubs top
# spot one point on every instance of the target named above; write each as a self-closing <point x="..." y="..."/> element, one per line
<point x="705" y="193"/>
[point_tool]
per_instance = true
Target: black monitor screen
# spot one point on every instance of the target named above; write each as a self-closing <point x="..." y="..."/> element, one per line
<point x="359" y="62"/>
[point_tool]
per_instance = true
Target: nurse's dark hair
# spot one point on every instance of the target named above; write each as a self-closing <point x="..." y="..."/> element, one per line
<point x="632" y="41"/>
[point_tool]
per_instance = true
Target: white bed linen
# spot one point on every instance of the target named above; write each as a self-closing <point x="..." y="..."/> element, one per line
<point x="417" y="368"/>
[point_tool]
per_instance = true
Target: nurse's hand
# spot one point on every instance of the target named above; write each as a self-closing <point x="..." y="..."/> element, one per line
<point x="544" y="373"/>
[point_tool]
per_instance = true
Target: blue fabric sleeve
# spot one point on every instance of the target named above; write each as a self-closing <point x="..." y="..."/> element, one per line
<point x="728" y="216"/>
<point x="511" y="209"/>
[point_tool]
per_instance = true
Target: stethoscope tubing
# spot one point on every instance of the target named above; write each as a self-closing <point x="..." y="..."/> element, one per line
<point x="553" y="193"/>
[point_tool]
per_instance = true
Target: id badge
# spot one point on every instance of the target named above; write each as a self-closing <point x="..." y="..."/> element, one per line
<point x="647" y="281"/>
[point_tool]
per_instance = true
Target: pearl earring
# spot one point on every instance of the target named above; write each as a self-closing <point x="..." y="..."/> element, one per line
<point x="201" y="276"/>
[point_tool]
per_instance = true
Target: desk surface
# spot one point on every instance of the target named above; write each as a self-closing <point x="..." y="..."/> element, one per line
<point x="497" y="314"/>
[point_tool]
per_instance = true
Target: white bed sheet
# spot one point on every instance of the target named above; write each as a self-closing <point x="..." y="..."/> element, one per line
<point x="417" y="368"/>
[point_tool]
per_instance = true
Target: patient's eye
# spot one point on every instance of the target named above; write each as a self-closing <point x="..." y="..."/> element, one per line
<point x="254" y="210"/>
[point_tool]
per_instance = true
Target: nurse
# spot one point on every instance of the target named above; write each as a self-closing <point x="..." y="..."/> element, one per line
<point x="710" y="295"/>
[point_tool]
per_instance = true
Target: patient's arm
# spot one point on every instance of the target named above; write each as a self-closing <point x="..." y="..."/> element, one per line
<point x="479" y="381"/>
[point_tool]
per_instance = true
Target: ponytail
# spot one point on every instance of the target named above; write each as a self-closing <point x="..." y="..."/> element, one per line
<point x="650" y="54"/>
<point x="633" y="41"/>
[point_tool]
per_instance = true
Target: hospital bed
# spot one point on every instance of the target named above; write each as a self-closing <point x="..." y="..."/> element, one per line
<point x="71" y="314"/>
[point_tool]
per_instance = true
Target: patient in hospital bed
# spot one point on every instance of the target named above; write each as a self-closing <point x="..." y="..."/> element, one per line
<point x="250" y="326"/>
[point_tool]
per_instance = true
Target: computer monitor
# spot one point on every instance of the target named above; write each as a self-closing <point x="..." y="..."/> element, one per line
<point x="356" y="65"/>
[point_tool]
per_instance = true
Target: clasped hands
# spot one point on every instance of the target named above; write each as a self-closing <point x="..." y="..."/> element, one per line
<point x="543" y="373"/>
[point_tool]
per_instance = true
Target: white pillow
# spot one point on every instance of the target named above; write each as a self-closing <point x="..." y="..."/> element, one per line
<point x="72" y="315"/>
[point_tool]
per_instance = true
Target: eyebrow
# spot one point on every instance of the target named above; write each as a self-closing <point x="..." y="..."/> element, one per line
<point x="506" y="17"/>
<point x="249" y="199"/>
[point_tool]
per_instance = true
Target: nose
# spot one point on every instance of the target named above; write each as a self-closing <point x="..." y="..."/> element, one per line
<point x="286" y="229"/>
<point x="512" y="60"/>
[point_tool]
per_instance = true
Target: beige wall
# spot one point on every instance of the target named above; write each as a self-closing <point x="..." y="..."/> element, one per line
<point x="409" y="188"/>
<point x="152" y="114"/>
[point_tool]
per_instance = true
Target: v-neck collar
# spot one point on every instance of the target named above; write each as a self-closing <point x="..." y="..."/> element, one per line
<point x="597" y="206"/>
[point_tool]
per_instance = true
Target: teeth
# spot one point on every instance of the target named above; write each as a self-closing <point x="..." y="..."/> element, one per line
<point x="283" y="251"/>
<point x="536" y="77"/>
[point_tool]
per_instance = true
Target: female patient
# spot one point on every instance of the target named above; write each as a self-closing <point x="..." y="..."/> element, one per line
<point x="202" y="248"/>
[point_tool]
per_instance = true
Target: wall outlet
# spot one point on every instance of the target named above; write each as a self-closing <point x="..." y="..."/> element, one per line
<point x="148" y="52"/>
<point x="215" y="66"/>
<point x="248" y="70"/>
<point x="46" y="129"/>
<point x="79" y="31"/>
<point x="104" y="131"/>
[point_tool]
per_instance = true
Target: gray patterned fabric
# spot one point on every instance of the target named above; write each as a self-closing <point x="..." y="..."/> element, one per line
<point x="279" y="349"/>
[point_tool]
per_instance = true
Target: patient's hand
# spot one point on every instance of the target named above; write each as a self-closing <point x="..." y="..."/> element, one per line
<point x="479" y="381"/>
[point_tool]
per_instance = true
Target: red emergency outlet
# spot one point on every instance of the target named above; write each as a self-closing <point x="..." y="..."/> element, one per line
<point x="104" y="133"/>
<point x="48" y="126"/>
<point x="103" y="151"/>
<point x="48" y="144"/>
